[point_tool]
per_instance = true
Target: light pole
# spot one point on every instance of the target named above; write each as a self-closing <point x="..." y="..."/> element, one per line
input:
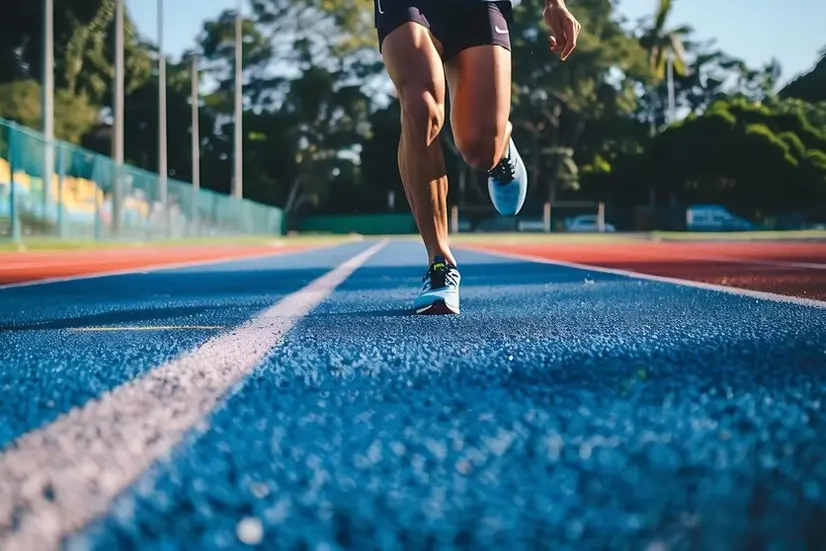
<point x="117" y="142"/>
<point x="163" y="186"/>
<point x="196" y="145"/>
<point x="48" y="99"/>
<point x="238" y="181"/>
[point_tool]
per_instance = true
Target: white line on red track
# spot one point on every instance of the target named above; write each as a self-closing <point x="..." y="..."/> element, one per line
<point x="760" y="295"/>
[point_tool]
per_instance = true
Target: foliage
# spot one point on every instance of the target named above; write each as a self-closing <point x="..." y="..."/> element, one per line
<point x="321" y="123"/>
<point x="810" y="87"/>
<point x="20" y="101"/>
<point x="742" y="154"/>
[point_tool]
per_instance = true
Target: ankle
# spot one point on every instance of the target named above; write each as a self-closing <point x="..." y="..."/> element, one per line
<point x="442" y="256"/>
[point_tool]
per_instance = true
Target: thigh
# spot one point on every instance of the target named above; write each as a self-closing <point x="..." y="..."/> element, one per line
<point x="479" y="75"/>
<point x="413" y="61"/>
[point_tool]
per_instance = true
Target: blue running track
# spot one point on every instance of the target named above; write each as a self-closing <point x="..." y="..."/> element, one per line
<point x="563" y="409"/>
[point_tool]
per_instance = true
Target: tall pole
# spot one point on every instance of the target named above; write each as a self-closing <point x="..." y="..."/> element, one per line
<point x="196" y="145"/>
<point x="117" y="152"/>
<point x="671" y="97"/>
<point x="163" y="188"/>
<point x="238" y="182"/>
<point x="48" y="98"/>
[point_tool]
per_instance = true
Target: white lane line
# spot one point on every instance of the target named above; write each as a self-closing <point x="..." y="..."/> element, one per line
<point x="760" y="295"/>
<point x="113" y="328"/>
<point x="56" y="479"/>
<point x="159" y="267"/>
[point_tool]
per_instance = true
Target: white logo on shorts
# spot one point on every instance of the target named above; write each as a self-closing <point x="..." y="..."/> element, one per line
<point x="497" y="29"/>
<point x="381" y="9"/>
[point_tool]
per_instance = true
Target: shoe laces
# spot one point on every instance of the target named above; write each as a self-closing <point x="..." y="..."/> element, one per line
<point x="505" y="171"/>
<point x="440" y="274"/>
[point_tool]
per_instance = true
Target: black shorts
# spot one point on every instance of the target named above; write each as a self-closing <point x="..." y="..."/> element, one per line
<point x="457" y="25"/>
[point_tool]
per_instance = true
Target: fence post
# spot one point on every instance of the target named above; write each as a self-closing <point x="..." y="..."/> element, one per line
<point x="61" y="179"/>
<point x="601" y="217"/>
<point x="13" y="156"/>
<point x="98" y="192"/>
<point x="454" y="219"/>
<point x="546" y="217"/>
<point x="117" y="192"/>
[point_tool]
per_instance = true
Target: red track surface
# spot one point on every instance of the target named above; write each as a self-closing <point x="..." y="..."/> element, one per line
<point x="787" y="268"/>
<point x="34" y="266"/>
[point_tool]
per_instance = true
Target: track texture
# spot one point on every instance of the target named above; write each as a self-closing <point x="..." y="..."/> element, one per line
<point x="21" y="267"/>
<point x="562" y="410"/>
<point x="793" y="269"/>
<point x="47" y="368"/>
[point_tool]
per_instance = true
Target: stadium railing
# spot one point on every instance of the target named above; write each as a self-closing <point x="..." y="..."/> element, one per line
<point x="560" y="216"/>
<point x="89" y="198"/>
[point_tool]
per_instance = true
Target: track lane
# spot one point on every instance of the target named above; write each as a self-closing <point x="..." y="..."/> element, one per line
<point x="791" y="269"/>
<point x="563" y="409"/>
<point x="48" y="369"/>
<point x="27" y="267"/>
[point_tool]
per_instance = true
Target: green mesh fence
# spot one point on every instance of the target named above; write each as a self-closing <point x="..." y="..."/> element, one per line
<point x="89" y="197"/>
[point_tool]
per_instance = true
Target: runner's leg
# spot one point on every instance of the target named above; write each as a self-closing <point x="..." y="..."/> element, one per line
<point x="479" y="78"/>
<point x="415" y="66"/>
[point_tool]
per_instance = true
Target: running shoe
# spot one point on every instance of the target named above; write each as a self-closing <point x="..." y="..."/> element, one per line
<point x="508" y="182"/>
<point x="440" y="289"/>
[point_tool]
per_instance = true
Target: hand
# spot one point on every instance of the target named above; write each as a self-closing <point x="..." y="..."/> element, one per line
<point x="564" y="28"/>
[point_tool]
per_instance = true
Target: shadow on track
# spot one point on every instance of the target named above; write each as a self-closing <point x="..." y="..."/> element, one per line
<point x="111" y="318"/>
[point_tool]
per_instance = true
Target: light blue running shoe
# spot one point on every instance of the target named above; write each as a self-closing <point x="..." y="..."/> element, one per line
<point x="508" y="182"/>
<point x="440" y="289"/>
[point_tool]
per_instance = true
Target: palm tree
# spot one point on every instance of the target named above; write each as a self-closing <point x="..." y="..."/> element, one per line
<point x="666" y="54"/>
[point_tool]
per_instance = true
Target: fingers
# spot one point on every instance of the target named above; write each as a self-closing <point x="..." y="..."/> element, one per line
<point x="564" y="32"/>
<point x="556" y="32"/>
<point x="571" y="33"/>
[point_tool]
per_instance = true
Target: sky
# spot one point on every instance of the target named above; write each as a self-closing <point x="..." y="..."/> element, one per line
<point x="753" y="30"/>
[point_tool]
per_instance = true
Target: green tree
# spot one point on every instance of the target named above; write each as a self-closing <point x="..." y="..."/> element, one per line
<point x="811" y="86"/>
<point x="20" y="101"/>
<point x="759" y="159"/>
<point x="83" y="43"/>
<point x="666" y="56"/>
<point x="558" y="105"/>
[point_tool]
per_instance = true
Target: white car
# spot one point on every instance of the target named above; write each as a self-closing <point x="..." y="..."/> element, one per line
<point x="586" y="223"/>
<point x="714" y="218"/>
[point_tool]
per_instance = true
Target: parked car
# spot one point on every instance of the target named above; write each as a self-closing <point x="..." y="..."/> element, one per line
<point x="714" y="218"/>
<point x="585" y="223"/>
<point x="531" y="225"/>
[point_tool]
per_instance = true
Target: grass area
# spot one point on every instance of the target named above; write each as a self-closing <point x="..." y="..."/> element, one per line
<point x="54" y="244"/>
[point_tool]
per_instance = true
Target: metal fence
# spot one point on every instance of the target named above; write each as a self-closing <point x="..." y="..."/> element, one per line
<point x="88" y="197"/>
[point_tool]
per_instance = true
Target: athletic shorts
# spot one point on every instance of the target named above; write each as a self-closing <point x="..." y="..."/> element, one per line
<point x="456" y="24"/>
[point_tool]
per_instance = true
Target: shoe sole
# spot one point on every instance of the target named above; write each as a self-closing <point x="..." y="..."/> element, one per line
<point x="438" y="308"/>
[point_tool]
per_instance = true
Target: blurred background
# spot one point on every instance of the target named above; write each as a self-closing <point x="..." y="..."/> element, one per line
<point x="671" y="115"/>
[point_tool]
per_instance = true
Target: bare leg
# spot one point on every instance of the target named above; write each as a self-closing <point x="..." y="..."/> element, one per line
<point x="415" y="67"/>
<point x="480" y="79"/>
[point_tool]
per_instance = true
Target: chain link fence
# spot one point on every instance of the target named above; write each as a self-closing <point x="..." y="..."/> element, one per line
<point x="89" y="197"/>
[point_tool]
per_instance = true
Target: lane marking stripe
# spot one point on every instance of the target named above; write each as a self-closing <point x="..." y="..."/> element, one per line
<point x="56" y="479"/>
<point x="760" y="295"/>
<point x="144" y="328"/>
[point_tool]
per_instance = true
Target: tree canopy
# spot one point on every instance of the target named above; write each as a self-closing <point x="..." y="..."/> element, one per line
<point x="321" y="120"/>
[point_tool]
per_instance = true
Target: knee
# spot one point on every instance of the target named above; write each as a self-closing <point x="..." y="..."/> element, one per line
<point x="423" y="114"/>
<point x="481" y="146"/>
